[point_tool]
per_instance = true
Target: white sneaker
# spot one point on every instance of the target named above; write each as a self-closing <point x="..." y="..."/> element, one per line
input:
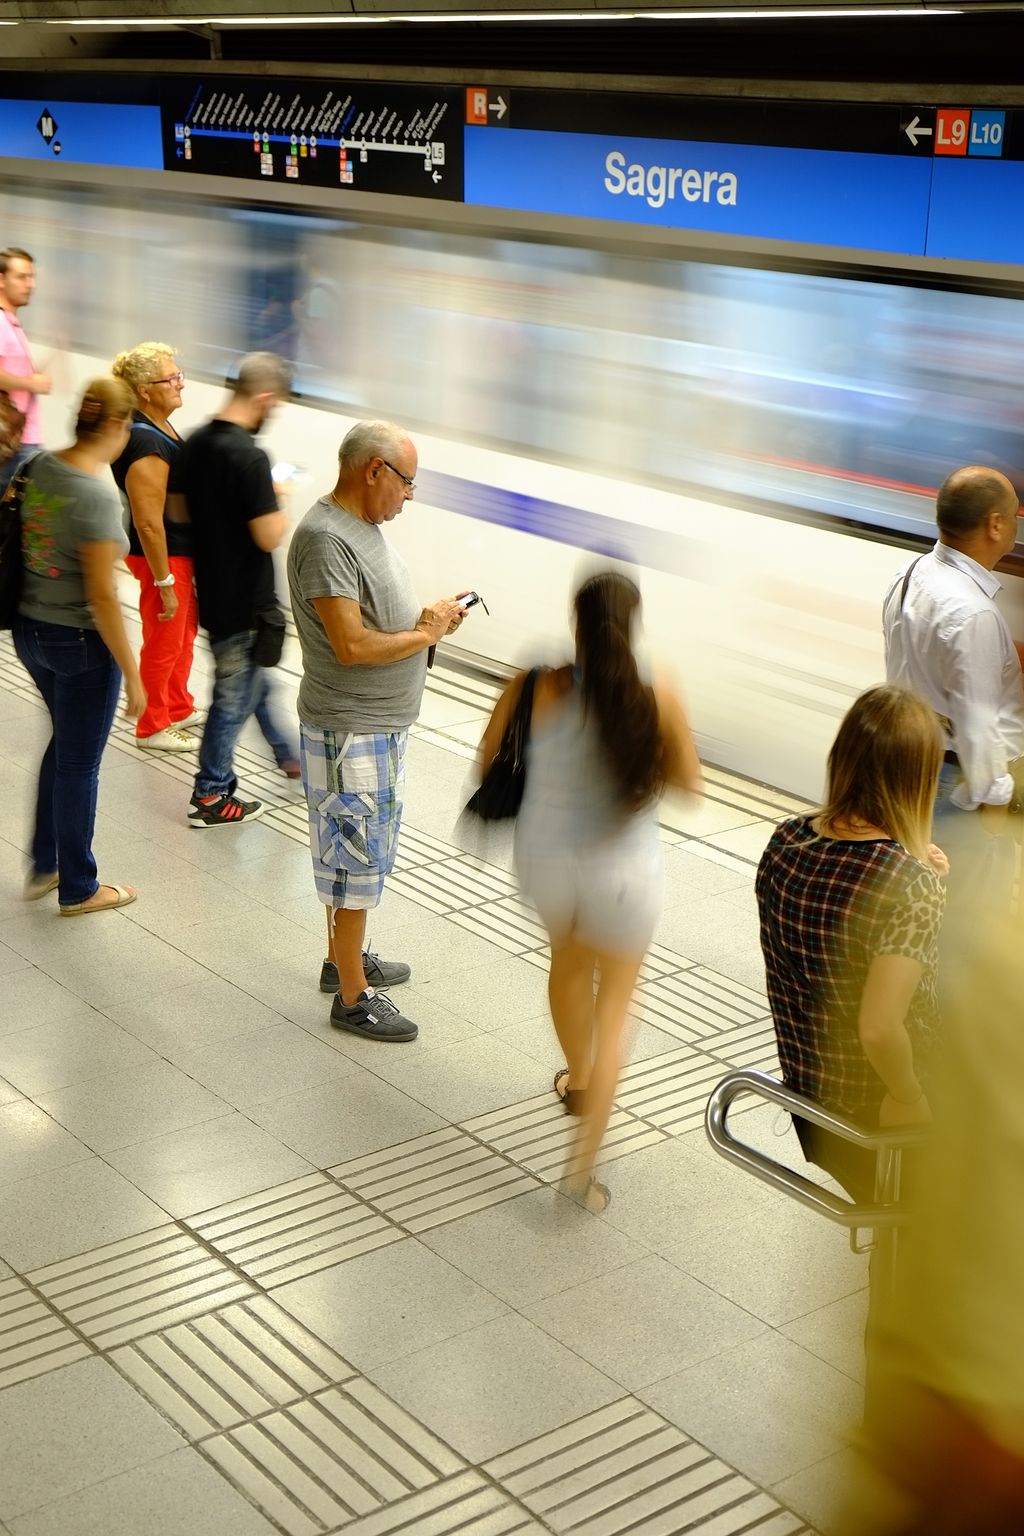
<point x="195" y="718"/>
<point x="171" y="740"/>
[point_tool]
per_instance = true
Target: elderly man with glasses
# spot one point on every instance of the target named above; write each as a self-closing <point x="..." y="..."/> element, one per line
<point x="364" y="641"/>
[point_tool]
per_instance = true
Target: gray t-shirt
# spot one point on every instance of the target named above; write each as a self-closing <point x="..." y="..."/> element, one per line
<point x="335" y="554"/>
<point x="62" y="509"/>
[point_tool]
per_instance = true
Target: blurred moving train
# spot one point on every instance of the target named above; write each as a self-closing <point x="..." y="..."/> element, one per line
<point x="756" y="440"/>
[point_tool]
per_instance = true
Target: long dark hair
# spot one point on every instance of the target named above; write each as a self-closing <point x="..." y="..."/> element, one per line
<point x="622" y="706"/>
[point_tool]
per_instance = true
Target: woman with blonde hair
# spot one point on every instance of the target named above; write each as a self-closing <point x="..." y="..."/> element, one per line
<point x="160" y="556"/>
<point x="70" y="636"/>
<point x="851" y="900"/>
<point x="603" y="744"/>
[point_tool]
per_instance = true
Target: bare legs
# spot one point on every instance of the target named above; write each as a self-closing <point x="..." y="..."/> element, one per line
<point x="589" y="1029"/>
<point x="616" y="980"/>
<point x="571" y="998"/>
<point x="345" y="947"/>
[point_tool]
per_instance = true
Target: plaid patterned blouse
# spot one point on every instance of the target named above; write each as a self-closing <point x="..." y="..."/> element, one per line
<point x="827" y="909"/>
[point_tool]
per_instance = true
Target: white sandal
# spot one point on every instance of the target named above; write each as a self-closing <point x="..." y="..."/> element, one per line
<point x="125" y="896"/>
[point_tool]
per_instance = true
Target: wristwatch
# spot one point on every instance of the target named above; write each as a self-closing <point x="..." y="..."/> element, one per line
<point x="168" y="581"/>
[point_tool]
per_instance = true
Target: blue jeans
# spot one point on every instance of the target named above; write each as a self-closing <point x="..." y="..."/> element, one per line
<point x="285" y="749"/>
<point x="237" y="687"/>
<point x="10" y="469"/>
<point x="80" y="683"/>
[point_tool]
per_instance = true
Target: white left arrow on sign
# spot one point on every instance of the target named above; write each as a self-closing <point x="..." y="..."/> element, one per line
<point x="914" y="131"/>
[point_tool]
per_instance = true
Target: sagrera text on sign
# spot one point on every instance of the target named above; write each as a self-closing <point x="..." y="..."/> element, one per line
<point x="659" y="184"/>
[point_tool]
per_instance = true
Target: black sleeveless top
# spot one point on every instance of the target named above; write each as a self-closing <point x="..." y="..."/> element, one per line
<point x="145" y="441"/>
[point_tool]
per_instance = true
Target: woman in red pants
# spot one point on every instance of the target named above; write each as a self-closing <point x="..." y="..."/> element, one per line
<point x="161" y="554"/>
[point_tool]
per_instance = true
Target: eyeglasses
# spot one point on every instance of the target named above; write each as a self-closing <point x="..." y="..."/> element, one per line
<point x="172" y="378"/>
<point x="409" y="484"/>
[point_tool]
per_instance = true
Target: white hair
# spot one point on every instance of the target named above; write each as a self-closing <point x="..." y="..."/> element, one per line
<point x="370" y="440"/>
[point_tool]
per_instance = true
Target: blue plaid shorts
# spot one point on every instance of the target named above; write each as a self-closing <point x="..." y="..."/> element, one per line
<point x="353" y="787"/>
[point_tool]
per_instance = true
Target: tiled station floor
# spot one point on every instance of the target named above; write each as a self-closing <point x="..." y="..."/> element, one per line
<point x="258" y="1276"/>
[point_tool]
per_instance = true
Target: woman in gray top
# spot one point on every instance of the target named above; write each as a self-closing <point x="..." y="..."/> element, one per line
<point x="603" y="744"/>
<point x="71" y="638"/>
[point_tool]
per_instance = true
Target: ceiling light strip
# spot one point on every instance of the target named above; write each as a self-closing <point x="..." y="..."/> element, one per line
<point x="333" y="19"/>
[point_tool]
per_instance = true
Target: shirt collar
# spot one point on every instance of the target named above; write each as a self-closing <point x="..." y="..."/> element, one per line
<point x="986" y="580"/>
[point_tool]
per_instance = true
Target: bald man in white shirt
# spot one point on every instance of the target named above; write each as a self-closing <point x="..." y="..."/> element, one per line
<point x="946" y="639"/>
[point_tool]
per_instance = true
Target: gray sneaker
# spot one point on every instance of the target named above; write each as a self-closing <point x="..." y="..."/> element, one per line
<point x="378" y="972"/>
<point x="373" y="1016"/>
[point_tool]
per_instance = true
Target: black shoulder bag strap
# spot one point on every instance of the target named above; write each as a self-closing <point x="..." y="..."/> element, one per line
<point x="149" y="426"/>
<point x="522" y="717"/>
<point x="906" y="580"/>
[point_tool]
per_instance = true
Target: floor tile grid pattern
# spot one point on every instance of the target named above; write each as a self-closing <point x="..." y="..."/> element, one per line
<point x="286" y="1420"/>
<point x="624" y="1469"/>
<point x="483" y="899"/>
<point x="287" y="815"/>
<point x="34" y="1337"/>
<point x="410" y="1214"/>
<point x="272" y="1446"/>
<point x="478" y="897"/>
<point x="239" y="1456"/>
<point x="426" y="852"/>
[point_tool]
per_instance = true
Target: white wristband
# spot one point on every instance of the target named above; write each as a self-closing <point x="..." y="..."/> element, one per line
<point x="168" y="581"/>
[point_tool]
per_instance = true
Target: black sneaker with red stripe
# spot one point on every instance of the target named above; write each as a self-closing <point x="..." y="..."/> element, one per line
<point x="223" y="811"/>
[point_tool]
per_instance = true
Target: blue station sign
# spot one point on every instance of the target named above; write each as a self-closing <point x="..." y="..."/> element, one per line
<point x="930" y="181"/>
<point x="819" y="197"/>
<point x="82" y="132"/>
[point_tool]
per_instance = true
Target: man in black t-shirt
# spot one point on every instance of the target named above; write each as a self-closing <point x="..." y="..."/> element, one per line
<point x="225" y="483"/>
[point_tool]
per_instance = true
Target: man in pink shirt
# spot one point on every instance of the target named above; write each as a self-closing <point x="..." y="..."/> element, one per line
<point x="18" y="375"/>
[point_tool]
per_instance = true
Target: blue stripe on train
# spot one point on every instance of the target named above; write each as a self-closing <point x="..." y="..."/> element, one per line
<point x="611" y="537"/>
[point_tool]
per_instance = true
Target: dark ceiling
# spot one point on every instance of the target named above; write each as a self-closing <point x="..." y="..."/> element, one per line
<point x="970" y="50"/>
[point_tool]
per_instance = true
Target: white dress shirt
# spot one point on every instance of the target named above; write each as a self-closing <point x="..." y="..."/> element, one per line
<point x="949" y="642"/>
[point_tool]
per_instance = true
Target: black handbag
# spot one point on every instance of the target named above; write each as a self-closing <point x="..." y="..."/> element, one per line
<point x="501" y="793"/>
<point x="12" y="565"/>
<point x="269" y="643"/>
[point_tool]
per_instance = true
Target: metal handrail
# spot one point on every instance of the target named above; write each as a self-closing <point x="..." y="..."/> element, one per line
<point x="846" y="1213"/>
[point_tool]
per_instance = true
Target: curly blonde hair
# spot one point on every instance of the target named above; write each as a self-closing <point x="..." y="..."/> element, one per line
<point x="143" y="364"/>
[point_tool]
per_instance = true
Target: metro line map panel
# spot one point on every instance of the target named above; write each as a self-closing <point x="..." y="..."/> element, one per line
<point x="400" y="139"/>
